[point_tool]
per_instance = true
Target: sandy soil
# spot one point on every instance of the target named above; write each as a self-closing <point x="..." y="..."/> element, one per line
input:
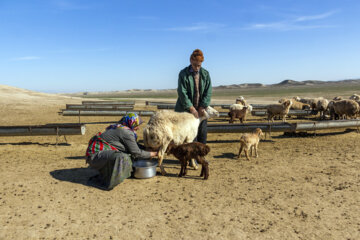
<point x="298" y="188"/>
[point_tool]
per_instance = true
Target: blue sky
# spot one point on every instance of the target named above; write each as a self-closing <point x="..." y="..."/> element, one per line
<point x="73" y="45"/>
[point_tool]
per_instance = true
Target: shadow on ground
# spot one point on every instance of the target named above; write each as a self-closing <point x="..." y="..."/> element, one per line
<point x="37" y="143"/>
<point x="227" y="155"/>
<point x="313" y="134"/>
<point x="224" y="141"/>
<point x="76" y="158"/>
<point x="189" y="175"/>
<point x="74" y="175"/>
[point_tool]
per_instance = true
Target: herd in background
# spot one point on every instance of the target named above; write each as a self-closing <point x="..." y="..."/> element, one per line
<point x="335" y="109"/>
<point x="173" y="132"/>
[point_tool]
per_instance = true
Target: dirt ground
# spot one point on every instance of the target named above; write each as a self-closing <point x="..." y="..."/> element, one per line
<point x="305" y="187"/>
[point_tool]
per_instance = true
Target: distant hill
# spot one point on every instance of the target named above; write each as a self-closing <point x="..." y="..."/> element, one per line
<point x="287" y="83"/>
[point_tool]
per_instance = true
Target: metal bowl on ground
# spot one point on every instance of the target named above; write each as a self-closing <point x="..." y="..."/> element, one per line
<point x="144" y="168"/>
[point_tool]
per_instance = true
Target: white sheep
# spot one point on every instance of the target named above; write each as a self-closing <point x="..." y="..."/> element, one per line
<point x="296" y="105"/>
<point x="345" y="108"/>
<point x="355" y="97"/>
<point x="322" y="106"/>
<point x="166" y="126"/>
<point x="240" y="100"/>
<point x="311" y="101"/>
<point x="239" y="106"/>
<point x="236" y="106"/>
<point x="278" y="110"/>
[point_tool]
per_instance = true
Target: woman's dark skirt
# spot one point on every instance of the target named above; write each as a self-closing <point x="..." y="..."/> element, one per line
<point x="113" y="166"/>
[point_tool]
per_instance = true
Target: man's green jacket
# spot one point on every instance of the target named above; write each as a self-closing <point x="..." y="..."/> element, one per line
<point x="186" y="89"/>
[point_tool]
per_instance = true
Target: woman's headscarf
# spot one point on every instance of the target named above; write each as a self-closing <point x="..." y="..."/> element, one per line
<point x="129" y="121"/>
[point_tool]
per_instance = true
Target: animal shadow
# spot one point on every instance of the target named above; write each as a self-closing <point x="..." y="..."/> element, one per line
<point x="36" y="143"/>
<point x="313" y="134"/>
<point x="223" y="141"/>
<point x="226" y="155"/>
<point x="171" y="161"/>
<point x="75" y="175"/>
<point x="76" y="158"/>
<point x="188" y="176"/>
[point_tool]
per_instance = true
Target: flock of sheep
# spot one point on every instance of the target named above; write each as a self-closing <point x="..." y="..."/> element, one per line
<point x="337" y="108"/>
<point x="174" y="132"/>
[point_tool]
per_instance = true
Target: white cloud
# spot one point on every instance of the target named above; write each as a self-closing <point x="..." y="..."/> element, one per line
<point x="26" y="58"/>
<point x="298" y="23"/>
<point x="314" y="17"/>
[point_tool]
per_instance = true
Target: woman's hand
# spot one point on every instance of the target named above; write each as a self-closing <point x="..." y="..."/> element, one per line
<point x="153" y="154"/>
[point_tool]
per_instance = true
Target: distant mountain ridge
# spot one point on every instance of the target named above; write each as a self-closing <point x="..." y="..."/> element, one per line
<point x="287" y="83"/>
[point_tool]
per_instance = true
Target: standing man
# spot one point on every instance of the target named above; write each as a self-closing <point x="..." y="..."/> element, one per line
<point x="194" y="91"/>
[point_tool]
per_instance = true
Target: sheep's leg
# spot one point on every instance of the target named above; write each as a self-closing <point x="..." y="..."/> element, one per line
<point x="247" y="154"/>
<point x="240" y="150"/>
<point x="182" y="168"/>
<point x="180" y="173"/>
<point x="161" y="158"/>
<point x="206" y="166"/>
<point x="185" y="167"/>
<point x="202" y="171"/>
<point x="256" y="150"/>
<point x="194" y="164"/>
<point x="201" y="161"/>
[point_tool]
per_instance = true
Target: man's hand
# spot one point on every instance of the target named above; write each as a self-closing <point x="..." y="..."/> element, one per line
<point x="194" y="112"/>
<point x="201" y="111"/>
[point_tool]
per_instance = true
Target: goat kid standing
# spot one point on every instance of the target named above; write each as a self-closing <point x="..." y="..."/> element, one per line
<point x="186" y="152"/>
<point x="249" y="141"/>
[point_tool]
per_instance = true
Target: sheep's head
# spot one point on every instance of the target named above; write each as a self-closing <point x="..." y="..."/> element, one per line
<point x="240" y="98"/>
<point x="297" y="98"/>
<point x="205" y="149"/>
<point x="355" y="97"/>
<point x="210" y="112"/>
<point x="250" y="108"/>
<point x="287" y="103"/>
<point x="259" y="132"/>
<point x="281" y="100"/>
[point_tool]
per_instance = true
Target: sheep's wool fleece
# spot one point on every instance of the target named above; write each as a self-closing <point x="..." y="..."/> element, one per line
<point x="166" y="125"/>
<point x="236" y="106"/>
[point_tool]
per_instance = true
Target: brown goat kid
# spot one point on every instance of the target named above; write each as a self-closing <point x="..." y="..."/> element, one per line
<point x="186" y="152"/>
<point x="250" y="141"/>
<point x="236" y="113"/>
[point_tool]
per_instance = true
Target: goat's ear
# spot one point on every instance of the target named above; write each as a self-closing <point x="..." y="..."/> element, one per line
<point x="205" y="150"/>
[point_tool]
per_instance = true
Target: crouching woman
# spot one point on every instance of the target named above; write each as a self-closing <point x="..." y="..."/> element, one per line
<point x="112" y="151"/>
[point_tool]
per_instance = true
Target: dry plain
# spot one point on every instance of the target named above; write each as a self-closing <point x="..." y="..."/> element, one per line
<point x="305" y="187"/>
